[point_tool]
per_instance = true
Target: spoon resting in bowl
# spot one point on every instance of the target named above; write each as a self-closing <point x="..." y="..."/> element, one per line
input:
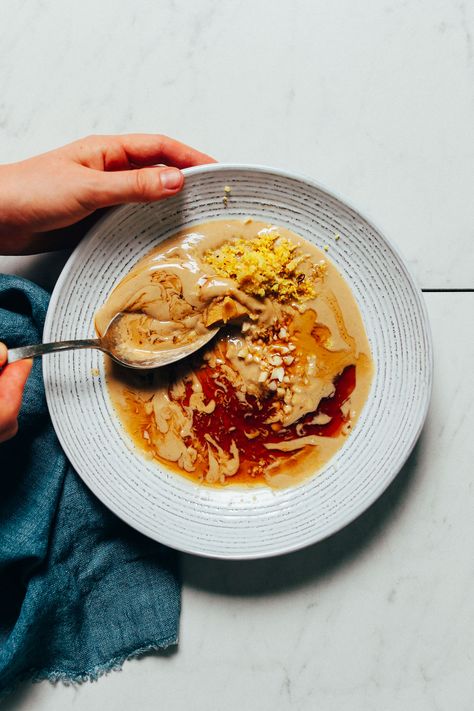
<point x="120" y="344"/>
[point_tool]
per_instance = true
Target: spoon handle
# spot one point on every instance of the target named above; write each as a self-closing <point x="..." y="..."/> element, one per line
<point x="41" y="348"/>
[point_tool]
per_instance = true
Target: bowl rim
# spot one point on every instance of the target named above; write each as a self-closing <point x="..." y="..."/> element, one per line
<point x="366" y="504"/>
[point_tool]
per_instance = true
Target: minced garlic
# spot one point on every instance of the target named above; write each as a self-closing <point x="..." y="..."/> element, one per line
<point x="265" y="265"/>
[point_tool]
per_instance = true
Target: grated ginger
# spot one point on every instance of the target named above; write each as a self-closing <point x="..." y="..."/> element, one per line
<point x="264" y="265"/>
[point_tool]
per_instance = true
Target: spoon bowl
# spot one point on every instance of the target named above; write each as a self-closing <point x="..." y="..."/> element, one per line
<point x="143" y="356"/>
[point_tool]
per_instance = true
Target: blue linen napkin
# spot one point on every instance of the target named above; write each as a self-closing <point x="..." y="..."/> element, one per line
<point x="80" y="591"/>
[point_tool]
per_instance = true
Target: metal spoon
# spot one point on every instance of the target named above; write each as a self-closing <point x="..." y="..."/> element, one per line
<point x="111" y="343"/>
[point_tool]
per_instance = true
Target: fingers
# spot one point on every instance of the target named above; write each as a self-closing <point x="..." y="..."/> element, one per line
<point x="3" y="354"/>
<point x="12" y="382"/>
<point x="137" y="149"/>
<point x="143" y="185"/>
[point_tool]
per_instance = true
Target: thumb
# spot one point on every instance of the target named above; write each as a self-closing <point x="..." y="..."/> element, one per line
<point x="141" y="185"/>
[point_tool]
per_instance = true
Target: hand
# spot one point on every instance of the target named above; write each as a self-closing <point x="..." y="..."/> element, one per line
<point x="12" y="381"/>
<point x="42" y="195"/>
<point x="59" y="188"/>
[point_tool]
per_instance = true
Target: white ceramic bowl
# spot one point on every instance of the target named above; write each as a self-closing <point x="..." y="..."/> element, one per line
<point x="235" y="522"/>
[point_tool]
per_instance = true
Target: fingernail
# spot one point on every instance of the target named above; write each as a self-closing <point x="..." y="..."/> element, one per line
<point x="171" y="178"/>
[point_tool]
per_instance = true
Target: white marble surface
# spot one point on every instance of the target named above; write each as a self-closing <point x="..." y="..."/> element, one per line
<point x="376" y="100"/>
<point x="378" y="617"/>
<point x="373" y="98"/>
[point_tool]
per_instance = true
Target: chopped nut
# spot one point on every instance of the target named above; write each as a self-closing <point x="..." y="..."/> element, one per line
<point x="227" y="189"/>
<point x="272" y="385"/>
<point x="288" y="360"/>
<point x="243" y="353"/>
<point x="321" y="419"/>
<point x="262" y="377"/>
<point x="276" y="360"/>
<point x="277" y="374"/>
<point x="280" y="391"/>
<point x="283" y="333"/>
<point x="346" y="428"/>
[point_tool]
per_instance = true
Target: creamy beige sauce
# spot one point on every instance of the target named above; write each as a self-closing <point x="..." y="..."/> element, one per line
<point x="285" y="355"/>
<point x="165" y="298"/>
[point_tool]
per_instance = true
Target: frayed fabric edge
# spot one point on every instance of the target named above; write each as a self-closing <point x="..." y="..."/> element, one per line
<point x="73" y="678"/>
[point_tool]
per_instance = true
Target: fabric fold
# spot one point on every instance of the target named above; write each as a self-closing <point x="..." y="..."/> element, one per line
<point x="80" y="591"/>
